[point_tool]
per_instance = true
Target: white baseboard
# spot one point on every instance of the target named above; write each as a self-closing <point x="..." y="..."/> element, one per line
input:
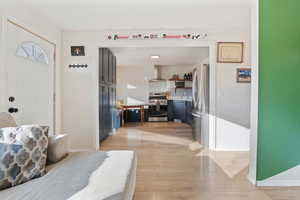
<point x="278" y="183"/>
<point x="274" y="183"/>
<point x="114" y="131"/>
<point x="221" y="149"/>
<point x="287" y="178"/>
<point x="251" y="180"/>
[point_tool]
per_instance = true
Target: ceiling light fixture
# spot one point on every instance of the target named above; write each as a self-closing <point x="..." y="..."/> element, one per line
<point x="155" y="57"/>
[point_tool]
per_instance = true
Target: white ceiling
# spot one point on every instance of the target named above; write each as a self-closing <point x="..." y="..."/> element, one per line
<point x="143" y="14"/>
<point x="168" y="56"/>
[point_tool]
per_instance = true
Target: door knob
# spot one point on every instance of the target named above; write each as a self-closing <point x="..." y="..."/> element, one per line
<point x="11" y="99"/>
<point x="13" y="110"/>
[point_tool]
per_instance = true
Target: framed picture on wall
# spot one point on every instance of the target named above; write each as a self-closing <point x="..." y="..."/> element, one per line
<point x="230" y="52"/>
<point x="77" y="51"/>
<point x="243" y="75"/>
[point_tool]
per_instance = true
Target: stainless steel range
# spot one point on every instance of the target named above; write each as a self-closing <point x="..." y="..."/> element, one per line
<point x="158" y="107"/>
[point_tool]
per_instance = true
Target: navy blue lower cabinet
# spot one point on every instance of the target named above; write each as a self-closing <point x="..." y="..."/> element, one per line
<point x="133" y="115"/>
<point x="105" y="114"/>
<point x="116" y="118"/>
<point x="146" y="115"/>
<point x="180" y="110"/>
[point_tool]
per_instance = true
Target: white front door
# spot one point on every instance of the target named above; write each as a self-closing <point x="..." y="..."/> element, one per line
<point x="29" y="67"/>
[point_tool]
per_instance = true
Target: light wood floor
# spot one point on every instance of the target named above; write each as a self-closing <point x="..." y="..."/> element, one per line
<point x="171" y="166"/>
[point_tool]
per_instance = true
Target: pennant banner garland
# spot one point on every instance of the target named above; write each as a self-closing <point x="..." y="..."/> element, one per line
<point x="155" y="36"/>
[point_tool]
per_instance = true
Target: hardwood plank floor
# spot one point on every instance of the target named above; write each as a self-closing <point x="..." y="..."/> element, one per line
<point x="171" y="166"/>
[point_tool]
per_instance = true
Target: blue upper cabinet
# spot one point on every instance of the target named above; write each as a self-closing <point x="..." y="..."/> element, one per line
<point x="107" y="92"/>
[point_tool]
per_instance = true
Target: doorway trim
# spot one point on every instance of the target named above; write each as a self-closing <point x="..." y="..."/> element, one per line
<point x="5" y="21"/>
<point x="211" y="45"/>
<point x="252" y="175"/>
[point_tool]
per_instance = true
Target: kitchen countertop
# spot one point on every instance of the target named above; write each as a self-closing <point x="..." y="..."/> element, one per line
<point x="180" y="98"/>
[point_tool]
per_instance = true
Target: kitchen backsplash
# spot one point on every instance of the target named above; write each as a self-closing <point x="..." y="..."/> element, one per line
<point x="167" y="86"/>
<point x="158" y="87"/>
<point x="181" y="92"/>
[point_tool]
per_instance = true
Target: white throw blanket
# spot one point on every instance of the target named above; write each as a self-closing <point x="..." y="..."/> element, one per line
<point x="109" y="179"/>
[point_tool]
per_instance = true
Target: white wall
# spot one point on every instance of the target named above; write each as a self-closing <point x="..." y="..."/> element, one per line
<point x="39" y="25"/>
<point x="233" y="101"/>
<point x="233" y="109"/>
<point x="133" y="83"/>
<point x="167" y="72"/>
<point x="80" y="89"/>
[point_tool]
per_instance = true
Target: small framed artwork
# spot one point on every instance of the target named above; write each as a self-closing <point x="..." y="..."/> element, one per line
<point x="230" y="52"/>
<point x="243" y="75"/>
<point x="77" y="51"/>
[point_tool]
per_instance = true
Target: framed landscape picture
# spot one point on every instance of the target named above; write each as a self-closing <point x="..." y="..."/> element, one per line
<point x="230" y="52"/>
<point x="244" y="75"/>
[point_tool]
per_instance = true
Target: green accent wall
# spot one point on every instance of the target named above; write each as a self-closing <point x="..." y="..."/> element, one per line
<point x="279" y="87"/>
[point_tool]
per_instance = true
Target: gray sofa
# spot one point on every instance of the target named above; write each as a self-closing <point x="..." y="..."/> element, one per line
<point x="81" y="175"/>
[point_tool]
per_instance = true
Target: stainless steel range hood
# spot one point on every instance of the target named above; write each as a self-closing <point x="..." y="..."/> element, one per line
<point x="157" y="74"/>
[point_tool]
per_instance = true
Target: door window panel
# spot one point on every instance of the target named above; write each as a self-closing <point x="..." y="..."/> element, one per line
<point x="32" y="51"/>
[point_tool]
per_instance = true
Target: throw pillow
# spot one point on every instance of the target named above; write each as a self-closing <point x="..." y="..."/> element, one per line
<point x="23" y="154"/>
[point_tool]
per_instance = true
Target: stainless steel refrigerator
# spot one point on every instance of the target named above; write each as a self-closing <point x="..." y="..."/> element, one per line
<point x="200" y="104"/>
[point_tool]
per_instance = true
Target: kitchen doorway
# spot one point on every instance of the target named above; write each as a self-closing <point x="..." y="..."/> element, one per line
<point x="137" y="90"/>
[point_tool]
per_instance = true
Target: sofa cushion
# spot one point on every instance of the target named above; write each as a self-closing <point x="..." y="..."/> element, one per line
<point x="6" y="120"/>
<point x="23" y="154"/>
<point x="57" y="148"/>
